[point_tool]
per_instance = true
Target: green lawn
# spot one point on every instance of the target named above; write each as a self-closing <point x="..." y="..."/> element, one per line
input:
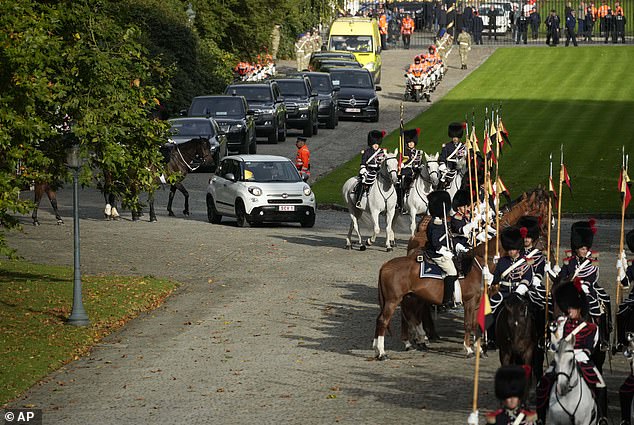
<point x="582" y="98"/>
<point x="34" y="302"/>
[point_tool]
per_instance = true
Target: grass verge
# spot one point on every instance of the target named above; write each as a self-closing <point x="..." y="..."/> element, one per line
<point x="582" y="98"/>
<point x="36" y="299"/>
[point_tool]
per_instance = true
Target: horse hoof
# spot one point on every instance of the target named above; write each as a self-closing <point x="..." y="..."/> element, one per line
<point x="36" y="223"/>
<point x="185" y="213"/>
<point x="382" y="357"/>
<point x="362" y="248"/>
<point x="369" y="242"/>
<point x="390" y="249"/>
<point x="60" y="221"/>
<point x="470" y="355"/>
<point x="171" y="214"/>
<point x="153" y="220"/>
<point x="422" y="347"/>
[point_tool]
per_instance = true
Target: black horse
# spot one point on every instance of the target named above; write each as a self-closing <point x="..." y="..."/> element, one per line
<point x="180" y="159"/>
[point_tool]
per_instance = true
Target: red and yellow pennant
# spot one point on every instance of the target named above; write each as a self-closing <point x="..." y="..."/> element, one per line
<point x="624" y="187"/>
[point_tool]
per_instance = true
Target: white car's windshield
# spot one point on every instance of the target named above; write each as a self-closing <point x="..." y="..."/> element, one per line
<point x="273" y="171"/>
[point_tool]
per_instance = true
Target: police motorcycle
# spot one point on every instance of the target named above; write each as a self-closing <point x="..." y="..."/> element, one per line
<point x="417" y="87"/>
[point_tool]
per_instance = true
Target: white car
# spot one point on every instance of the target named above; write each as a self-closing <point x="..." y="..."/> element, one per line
<point x="257" y="189"/>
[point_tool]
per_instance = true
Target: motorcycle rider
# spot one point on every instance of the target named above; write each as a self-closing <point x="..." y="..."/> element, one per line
<point x="371" y="160"/>
<point x="412" y="159"/>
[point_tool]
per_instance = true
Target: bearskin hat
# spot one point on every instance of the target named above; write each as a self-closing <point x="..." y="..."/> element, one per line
<point x="532" y="225"/>
<point x="570" y="295"/>
<point x="437" y="200"/>
<point x="375" y="136"/>
<point x="455" y="130"/>
<point x="411" y="135"/>
<point x="582" y="234"/>
<point x="511" y="238"/>
<point x="510" y="381"/>
<point x="460" y="199"/>
<point x="629" y="238"/>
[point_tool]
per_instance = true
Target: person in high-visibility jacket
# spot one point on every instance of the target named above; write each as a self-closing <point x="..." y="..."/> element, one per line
<point x="603" y="10"/>
<point x="417" y="68"/>
<point x="302" y="160"/>
<point x="383" y="29"/>
<point x="407" y="28"/>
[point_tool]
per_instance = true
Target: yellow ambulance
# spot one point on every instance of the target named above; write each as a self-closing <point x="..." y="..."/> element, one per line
<point x="360" y="36"/>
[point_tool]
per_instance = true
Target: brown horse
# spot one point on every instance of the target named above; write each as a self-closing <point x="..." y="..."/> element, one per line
<point x="534" y="204"/>
<point x="40" y="189"/>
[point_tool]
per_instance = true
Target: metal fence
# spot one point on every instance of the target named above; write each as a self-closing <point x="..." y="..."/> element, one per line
<point x="431" y="17"/>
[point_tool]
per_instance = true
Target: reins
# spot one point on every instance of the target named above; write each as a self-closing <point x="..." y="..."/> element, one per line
<point x="571" y="416"/>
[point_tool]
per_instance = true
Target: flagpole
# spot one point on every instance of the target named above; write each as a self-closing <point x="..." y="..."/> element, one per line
<point x="497" y="190"/>
<point x="401" y="142"/>
<point x="474" y="142"/>
<point x="468" y="144"/>
<point x="561" y="182"/>
<point x="548" y="245"/>
<point x="622" y="237"/>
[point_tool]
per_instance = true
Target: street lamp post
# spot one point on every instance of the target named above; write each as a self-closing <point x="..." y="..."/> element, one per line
<point x="78" y="316"/>
<point x="191" y="14"/>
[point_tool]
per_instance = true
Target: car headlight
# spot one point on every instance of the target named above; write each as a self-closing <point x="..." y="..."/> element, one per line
<point x="369" y="66"/>
<point x="307" y="190"/>
<point x="373" y="101"/>
<point x="254" y="190"/>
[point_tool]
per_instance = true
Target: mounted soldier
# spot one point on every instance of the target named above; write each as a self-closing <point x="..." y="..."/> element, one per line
<point x="452" y="154"/>
<point x="583" y="264"/>
<point x="626" y="309"/>
<point x="511" y="388"/>
<point x="439" y="248"/>
<point x="513" y="272"/>
<point x="371" y="160"/>
<point x="572" y="300"/>
<point x="412" y="160"/>
<point x="461" y="225"/>
<point x="537" y="260"/>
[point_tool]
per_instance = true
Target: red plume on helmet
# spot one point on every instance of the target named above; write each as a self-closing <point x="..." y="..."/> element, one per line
<point x="523" y="232"/>
<point x="592" y="222"/>
<point x="418" y="131"/>
<point x="577" y="283"/>
<point x="527" y="371"/>
<point x="383" y="133"/>
<point x="464" y="125"/>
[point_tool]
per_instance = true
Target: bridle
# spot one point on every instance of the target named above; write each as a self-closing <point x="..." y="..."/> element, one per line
<point x="569" y="387"/>
<point x="196" y="155"/>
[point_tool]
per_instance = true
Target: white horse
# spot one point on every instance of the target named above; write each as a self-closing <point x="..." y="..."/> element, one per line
<point x="381" y="197"/>
<point x="571" y="401"/>
<point x="423" y="185"/>
<point x="456" y="183"/>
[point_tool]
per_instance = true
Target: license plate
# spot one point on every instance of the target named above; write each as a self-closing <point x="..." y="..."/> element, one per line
<point x="353" y="110"/>
<point x="287" y="208"/>
<point x="418" y="87"/>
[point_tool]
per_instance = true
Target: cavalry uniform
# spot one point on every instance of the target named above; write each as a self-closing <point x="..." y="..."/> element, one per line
<point x="461" y="225"/>
<point x="536" y="259"/>
<point x="571" y="295"/>
<point x="371" y="161"/>
<point x="582" y="235"/>
<point x="412" y="160"/>
<point x="626" y="309"/>
<point x="511" y="382"/>
<point x="512" y="274"/>
<point x="302" y="159"/>
<point x="452" y="153"/>
<point x="439" y="241"/>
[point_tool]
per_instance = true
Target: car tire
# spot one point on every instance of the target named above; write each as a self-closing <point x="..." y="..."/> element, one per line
<point x="241" y="214"/>
<point x="332" y="120"/>
<point x="272" y="138"/>
<point x="212" y="213"/>
<point x="281" y="135"/>
<point x="308" y="221"/>
<point x="253" y="147"/>
<point x="308" y="130"/>
<point x="417" y="96"/>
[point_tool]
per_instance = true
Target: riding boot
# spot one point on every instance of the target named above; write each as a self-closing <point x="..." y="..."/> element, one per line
<point x="449" y="290"/>
<point x="358" y="192"/>
<point x="602" y="403"/>
<point x="625" y="399"/>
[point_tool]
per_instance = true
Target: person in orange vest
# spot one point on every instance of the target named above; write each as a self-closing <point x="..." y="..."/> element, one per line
<point x="603" y="10"/>
<point x="383" y="29"/>
<point x="407" y="28"/>
<point x="302" y="160"/>
<point x="617" y="8"/>
<point x="417" y="68"/>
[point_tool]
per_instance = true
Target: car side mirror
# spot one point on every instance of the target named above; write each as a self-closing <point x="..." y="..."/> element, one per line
<point x="231" y="177"/>
<point x="183" y="112"/>
<point x="377" y="88"/>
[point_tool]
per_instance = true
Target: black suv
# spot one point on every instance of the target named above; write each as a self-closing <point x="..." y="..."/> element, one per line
<point x="301" y="104"/>
<point x="265" y="100"/>
<point x="327" y="94"/>
<point x="357" y="93"/>
<point x="232" y="115"/>
<point x="319" y="56"/>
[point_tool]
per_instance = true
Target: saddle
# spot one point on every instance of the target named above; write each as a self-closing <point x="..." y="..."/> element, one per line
<point x="430" y="270"/>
